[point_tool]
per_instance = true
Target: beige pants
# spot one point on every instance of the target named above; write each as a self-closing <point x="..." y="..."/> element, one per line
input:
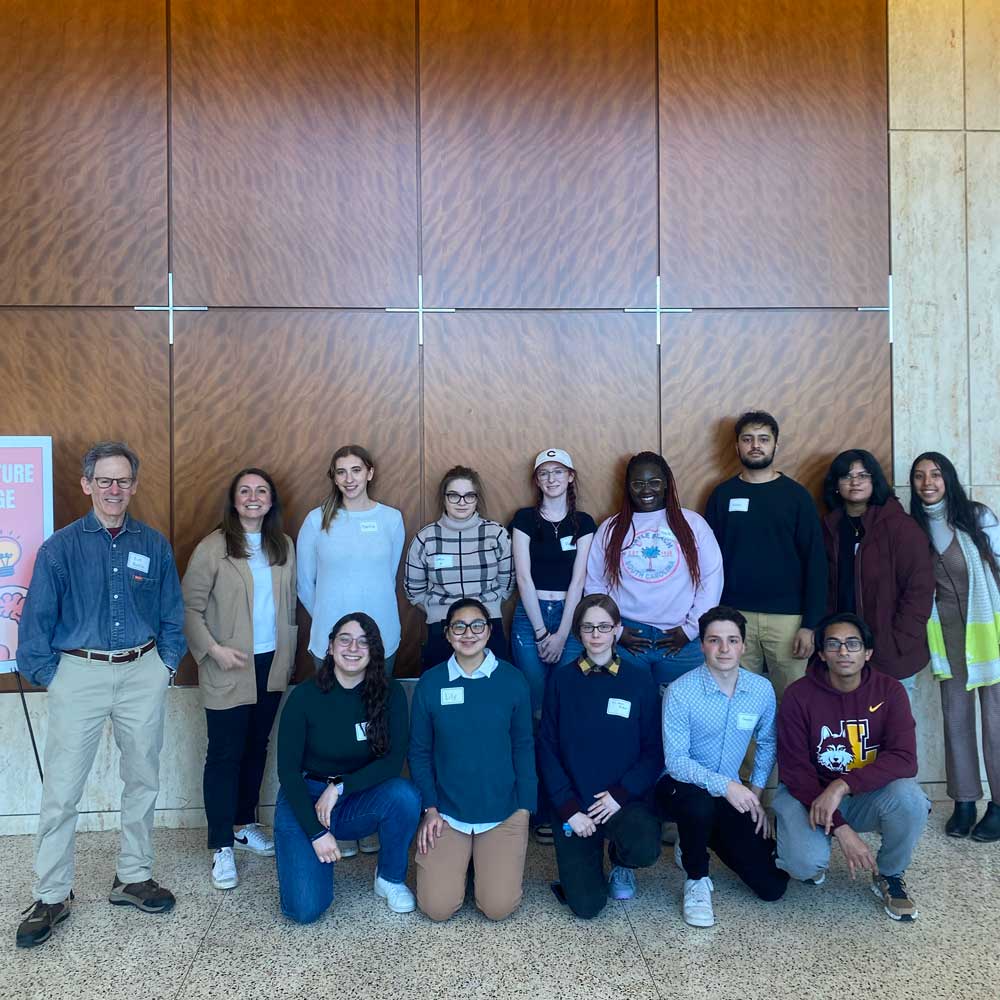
<point x="82" y="695"/>
<point x="497" y="861"/>
<point x="770" y="637"/>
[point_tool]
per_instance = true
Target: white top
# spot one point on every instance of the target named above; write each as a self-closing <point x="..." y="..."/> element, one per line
<point x="264" y="639"/>
<point x="349" y="567"/>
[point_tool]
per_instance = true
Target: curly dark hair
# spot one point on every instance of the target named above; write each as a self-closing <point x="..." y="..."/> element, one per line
<point x="375" y="686"/>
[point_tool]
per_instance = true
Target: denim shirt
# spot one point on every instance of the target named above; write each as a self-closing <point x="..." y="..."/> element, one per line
<point x="91" y="591"/>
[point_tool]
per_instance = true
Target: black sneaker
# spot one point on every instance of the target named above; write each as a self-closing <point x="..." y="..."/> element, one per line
<point x="39" y="919"/>
<point x="148" y="896"/>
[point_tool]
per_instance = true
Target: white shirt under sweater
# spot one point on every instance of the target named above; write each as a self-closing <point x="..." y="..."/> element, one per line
<point x="350" y="567"/>
<point x="264" y="639"/>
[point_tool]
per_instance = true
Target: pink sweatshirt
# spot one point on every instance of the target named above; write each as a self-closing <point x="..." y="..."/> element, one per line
<point x="655" y="586"/>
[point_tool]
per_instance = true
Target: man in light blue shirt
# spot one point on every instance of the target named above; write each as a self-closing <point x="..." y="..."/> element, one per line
<point x="710" y="716"/>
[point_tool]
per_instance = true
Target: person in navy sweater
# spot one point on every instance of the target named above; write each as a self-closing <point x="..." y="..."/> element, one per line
<point x="600" y="753"/>
<point x="472" y="755"/>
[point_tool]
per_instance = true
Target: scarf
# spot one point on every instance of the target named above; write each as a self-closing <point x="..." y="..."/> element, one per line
<point x="982" y="627"/>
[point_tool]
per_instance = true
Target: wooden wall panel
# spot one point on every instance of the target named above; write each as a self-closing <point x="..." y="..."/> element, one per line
<point x="773" y="182"/>
<point x="500" y="387"/>
<point x="294" y="153"/>
<point x="83" y="155"/>
<point x="284" y="390"/>
<point x="82" y="376"/>
<point x="538" y="149"/>
<point x="823" y="374"/>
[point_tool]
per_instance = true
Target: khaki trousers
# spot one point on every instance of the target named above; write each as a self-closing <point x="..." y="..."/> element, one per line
<point x="497" y="862"/>
<point x="82" y="695"/>
<point x="770" y="637"/>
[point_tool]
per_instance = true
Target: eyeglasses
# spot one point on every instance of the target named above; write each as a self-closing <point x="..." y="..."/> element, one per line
<point x="587" y="629"/>
<point x="551" y="473"/>
<point x="104" y="483"/>
<point x="477" y="627"/>
<point x="452" y="497"/>
<point x="345" y="641"/>
<point x="650" y="484"/>
<point x="852" y="645"/>
<point x="855" y="477"/>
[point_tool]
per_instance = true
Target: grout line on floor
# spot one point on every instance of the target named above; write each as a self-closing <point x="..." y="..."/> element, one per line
<point x="642" y="955"/>
<point x="197" y="951"/>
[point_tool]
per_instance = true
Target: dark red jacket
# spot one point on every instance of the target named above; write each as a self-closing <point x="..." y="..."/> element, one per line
<point x="866" y="737"/>
<point x="893" y="584"/>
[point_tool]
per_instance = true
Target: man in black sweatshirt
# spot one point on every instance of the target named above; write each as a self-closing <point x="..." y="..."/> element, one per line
<point x="772" y="552"/>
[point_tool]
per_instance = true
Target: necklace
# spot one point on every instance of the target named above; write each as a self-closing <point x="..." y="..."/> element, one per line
<point x="555" y="525"/>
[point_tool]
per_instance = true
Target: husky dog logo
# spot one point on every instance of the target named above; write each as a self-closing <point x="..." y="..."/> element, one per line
<point x="653" y="556"/>
<point x="847" y="750"/>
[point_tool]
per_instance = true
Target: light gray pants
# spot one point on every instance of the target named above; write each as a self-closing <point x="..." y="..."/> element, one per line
<point x="898" y="811"/>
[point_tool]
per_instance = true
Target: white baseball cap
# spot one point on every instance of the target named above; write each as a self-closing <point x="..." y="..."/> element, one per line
<point x="555" y="455"/>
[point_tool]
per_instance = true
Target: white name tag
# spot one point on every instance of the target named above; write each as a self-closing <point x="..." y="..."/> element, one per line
<point x="369" y="525"/>
<point x="619" y="706"/>
<point x="567" y="544"/>
<point x="138" y="561"/>
<point x="739" y="503"/>
<point x="360" y="731"/>
<point x="746" y="720"/>
<point x="444" y="562"/>
<point x="452" y="696"/>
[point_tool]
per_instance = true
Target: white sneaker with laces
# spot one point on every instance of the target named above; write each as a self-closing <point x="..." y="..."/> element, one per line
<point x="370" y="844"/>
<point x="224" y="869"/>
<point x="698" y="902"/>
<point x="397" y="895"/>
<point x="252" y="838"/>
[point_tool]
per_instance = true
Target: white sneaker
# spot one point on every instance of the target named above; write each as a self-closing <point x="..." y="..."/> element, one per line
<point x="369" y="845"/>
<point x="399" y="898"/>
<point x="224" y="869"/>
<point x="348" y="848"/>
<point x="698" y="902"/>
<point x="252" y="838"/>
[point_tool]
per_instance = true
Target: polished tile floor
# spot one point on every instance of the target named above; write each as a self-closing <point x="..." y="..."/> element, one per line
<point x="830" y="942"/>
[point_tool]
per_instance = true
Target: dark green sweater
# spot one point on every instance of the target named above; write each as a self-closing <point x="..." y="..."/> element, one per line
<point x="319" y="732"/>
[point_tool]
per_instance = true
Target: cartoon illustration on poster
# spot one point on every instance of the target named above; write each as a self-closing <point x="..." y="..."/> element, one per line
<point x="25" y="522"/>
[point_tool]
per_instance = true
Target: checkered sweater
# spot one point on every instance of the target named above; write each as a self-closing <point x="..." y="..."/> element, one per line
<point x="452" y="559"/>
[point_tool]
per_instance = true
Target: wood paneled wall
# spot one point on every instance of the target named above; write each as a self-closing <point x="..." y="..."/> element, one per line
<point x="298" y="166"/>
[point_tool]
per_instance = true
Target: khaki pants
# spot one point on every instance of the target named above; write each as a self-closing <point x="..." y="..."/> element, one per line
<point x="497" y="861"/>
<point x="82" y="695"/>
<point x="770" y="637"/>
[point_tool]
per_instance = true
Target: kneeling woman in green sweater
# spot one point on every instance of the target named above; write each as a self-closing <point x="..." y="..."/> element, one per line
<point x="600" y="752"/>
<point x="472" y="756"/>
<point x="341" y="744"/>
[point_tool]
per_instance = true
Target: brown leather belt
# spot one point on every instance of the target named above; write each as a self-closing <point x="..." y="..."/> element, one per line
<point x="128" y="656"/>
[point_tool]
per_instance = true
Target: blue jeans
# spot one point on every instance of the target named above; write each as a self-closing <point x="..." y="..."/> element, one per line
<point x="664" y="666"/>
<point x="525" y="652"/>
<point x="304" y="882"/>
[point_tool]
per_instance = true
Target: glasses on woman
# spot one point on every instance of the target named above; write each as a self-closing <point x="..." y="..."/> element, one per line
<point x="345" y="641"/>
<point x="648" y="484"/>
<point x="855" y="477"/>
<point x="551" y="473"/>
<point x="852" y="645"/>
<point x="453" y="497"/>
<point x="477" y="627"/>
<point x="587" y="629"/>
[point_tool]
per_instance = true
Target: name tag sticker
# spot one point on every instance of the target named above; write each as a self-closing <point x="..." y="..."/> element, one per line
<point x="746" y="720"/>
<point x="739" y="503"/>
<point x="138" y="561"/>
<point x="452" y="696"/>
<point x="444" y="562"/>
<point x="567" y="544"/>
<point x="360" y="731"/>
<point x="619" y="706"/>
<point x="368" y="526"/>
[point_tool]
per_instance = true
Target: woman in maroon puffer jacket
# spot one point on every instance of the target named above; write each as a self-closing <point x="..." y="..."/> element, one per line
<point x="879" y="563"/>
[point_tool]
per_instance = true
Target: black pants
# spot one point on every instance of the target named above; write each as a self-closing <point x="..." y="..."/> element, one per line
<point x="634" y="835"/>
<point x="704" y="822"/>
<point x="237" y="754"/>
<point x="437" y="649"/>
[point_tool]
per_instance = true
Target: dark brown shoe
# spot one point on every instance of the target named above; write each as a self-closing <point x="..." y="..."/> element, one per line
<point x="39" y="919"/>
<point x="148" y="896"/>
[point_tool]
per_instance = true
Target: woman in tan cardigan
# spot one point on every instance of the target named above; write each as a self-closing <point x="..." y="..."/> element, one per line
<point x="239" y="600"/>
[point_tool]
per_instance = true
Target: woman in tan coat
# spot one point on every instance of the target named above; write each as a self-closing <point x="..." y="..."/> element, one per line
<point x="239" y="600"/>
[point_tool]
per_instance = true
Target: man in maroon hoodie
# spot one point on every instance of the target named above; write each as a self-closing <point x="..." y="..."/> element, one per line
<point x="847" y="762"/>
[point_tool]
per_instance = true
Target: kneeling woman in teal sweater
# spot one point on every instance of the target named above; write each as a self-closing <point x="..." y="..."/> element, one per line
<point x="472" y="756"/>
<point x="341" y="745"/>
<point x="600" y="753"/>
